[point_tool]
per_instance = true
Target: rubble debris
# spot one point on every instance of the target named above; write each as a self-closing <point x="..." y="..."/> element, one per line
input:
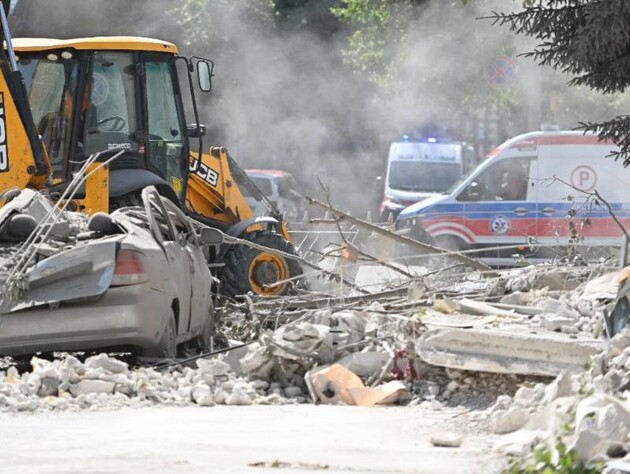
<point x="447" y="439"/>
<point x="490" y="343"/>
<point x="507" y="421"/>
<point x="102" y="381"/>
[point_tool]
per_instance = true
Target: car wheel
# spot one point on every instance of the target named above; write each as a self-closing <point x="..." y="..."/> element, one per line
<point x="167" y="346"/>
<point x="450" y="243"/>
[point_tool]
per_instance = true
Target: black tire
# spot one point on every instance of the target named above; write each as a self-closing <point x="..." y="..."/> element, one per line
<point x="240" y="264"/>
<point x="448" y="242"/>
<point x="167" y="347"/>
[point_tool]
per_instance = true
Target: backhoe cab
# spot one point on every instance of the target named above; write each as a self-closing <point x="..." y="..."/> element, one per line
<point x="122" y="95"/>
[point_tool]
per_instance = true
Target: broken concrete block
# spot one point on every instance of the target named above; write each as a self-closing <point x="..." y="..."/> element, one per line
<point x="526" y="397"/>
<point x="239" y="396"/>
<point x="107" y="363"/>
<point x="569" y="329"/>
<point x="620" y="341"/>
<point x="558" y="308"/>
<point x="555" y="323"/>
<point x="452" y="386"/>
<point x="447" y="439"/>
<point x="601" y="420"/>
<point x="503" y="402"/>
<point x="48" y="387"/>
<point x="562" y="386"/>
<point x="31" y="384"/>
<point x="260" y="385"/>
<point x="517" y="298"/>
<point x="216" y="368"/>
<point x="85" y="387"/>
<point x="202" y="395"/>
<point x="292" y="391"/>
<point x="600" y="385"/>
<point x="614" y="379"/>
<point x="125" y="389"/>
<point x="365" y="364"/>
<point x="234" y="356"/>
<point x="258" y="362"/>
<point x="505" y="351"/>
<point x="554" y="280"/>
<point x="506" y="421"/>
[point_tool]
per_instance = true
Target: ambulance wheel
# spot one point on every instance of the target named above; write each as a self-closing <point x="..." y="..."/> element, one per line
<point x="251" y="270"/>
<point x="449" y="242"/>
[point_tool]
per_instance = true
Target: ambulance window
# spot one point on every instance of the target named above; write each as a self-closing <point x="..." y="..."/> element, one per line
<point x="504" y="180"/>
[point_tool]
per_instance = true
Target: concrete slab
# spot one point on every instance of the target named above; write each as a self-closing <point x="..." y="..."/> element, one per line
<point x="514" y="350"/>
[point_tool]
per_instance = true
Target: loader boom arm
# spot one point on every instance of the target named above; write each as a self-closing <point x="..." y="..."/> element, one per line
<point x="23" y="159"/>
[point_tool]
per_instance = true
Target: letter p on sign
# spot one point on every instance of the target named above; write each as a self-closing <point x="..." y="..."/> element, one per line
<point x="584" y="177"/>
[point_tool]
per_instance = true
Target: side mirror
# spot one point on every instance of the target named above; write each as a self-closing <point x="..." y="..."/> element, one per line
<point x="204" y="75"/>
<point x="195" y="130"/>
<point x="210" y="236"/>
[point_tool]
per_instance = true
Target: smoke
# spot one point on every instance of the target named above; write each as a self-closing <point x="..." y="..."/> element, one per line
<point x="284" y="97"/>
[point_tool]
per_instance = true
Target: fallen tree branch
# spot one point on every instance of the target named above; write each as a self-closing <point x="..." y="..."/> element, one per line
<point x="477" y="265"/>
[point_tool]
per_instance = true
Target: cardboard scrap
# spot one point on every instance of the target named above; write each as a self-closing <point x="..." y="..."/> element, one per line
<point x="335" y="384"/>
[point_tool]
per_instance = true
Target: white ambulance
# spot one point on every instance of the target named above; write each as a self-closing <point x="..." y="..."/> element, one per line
<point x="419" y="169"/>
<point x="536" y="188"/>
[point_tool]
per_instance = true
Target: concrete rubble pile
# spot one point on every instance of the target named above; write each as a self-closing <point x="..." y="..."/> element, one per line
<point x="511" y="348"/>
<point x="587" y="409"/>
<point x="105" y="382"/>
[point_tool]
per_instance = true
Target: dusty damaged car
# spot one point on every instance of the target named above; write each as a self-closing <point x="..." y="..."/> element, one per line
<point x="136" y="279"/>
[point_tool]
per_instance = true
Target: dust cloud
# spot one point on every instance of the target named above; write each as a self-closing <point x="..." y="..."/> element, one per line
<point x="285" y="98"/>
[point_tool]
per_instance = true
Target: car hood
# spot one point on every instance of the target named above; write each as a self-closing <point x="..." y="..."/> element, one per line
<point x="422" y="206"/>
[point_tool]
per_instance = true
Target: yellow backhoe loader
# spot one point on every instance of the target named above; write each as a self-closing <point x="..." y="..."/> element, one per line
<point x="65" y="100"/>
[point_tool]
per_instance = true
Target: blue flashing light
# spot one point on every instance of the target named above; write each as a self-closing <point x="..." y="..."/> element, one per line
<point x="432" y="140"/>
<point x="405" y="138"/>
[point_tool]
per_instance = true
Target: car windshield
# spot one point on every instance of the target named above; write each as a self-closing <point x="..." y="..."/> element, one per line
<point x="423" y="176"/>
<point x="263" y="184"/>
<point x="51" y="87"/>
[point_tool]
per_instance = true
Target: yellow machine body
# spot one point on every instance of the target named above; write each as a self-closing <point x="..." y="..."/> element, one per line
<point x="209" y="187"/>
<point x="17" y="162"/>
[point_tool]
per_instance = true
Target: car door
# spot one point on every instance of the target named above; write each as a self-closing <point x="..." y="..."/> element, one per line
<point x="500" y="208"/>
<point x="200" y="276"/>
<point x="179" y="271"/>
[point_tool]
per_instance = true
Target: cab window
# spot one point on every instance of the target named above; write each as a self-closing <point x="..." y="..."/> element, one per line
<point x="504" y="180"/>
<point x="165" y="137"/>
<point x="51" y="87"/>
<point x="109" y="107"/>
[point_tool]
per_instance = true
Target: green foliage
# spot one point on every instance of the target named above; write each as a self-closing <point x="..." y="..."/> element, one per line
<point x="545" y="461"/>
<point x="587" y="39"/>
<point x="203" y="20"/>
<point x="379" y="25"/>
